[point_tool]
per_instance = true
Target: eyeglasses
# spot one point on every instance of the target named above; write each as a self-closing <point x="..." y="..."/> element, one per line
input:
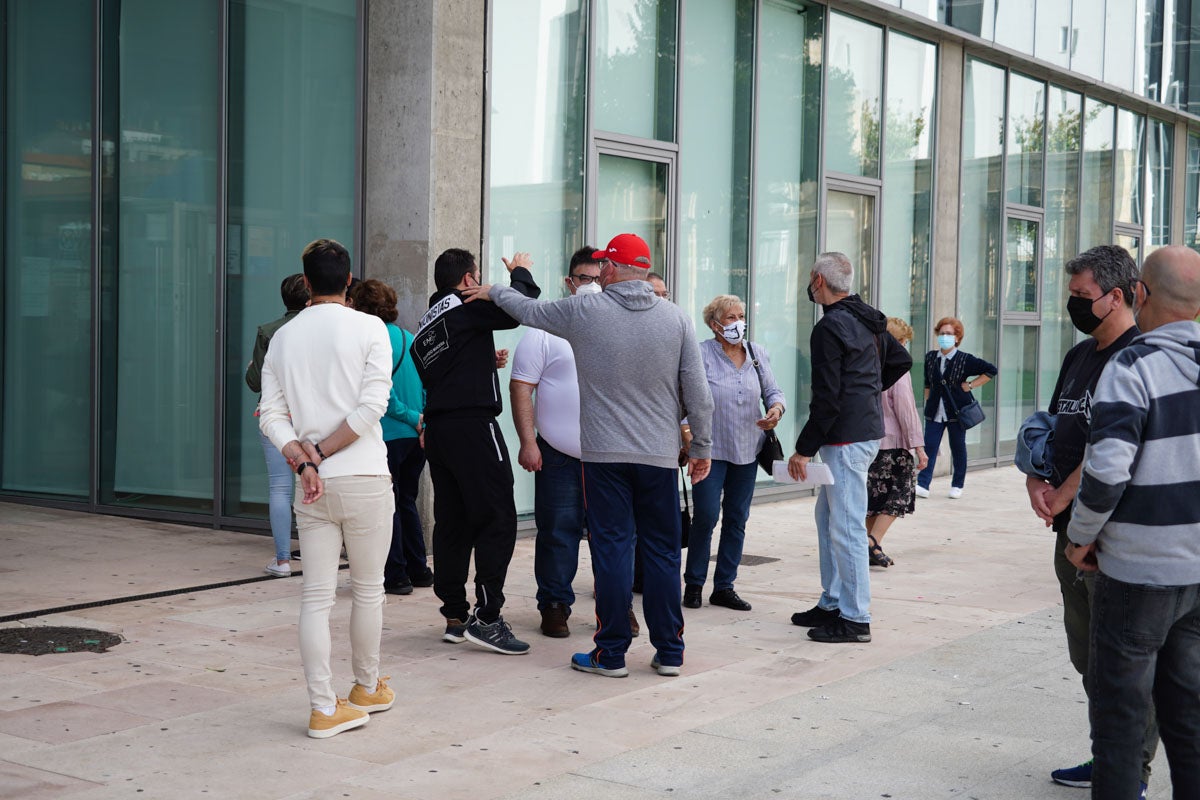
<point x="665" y="295"/>
<point x="1145" y="288"/>
<point x="585" y="279"/>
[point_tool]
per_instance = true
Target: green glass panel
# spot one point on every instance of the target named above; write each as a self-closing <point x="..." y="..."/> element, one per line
<point x="1096" y="204"/>
<point x="1160" y="154"/>
<point x="1016" y="388"/>
<point x="47" y="226"/>
<point x="634" y="45"/>
<point x="1060" y="238"/>
<point x="853" y="98"/>
<point x="1191" y="206"/>
<point x="1130" y="155"/>
<point x="1020" y="282"/>
<point x="1026" y="140"/>
<point x="850" y="229"/>
<point x="631" y="197"/>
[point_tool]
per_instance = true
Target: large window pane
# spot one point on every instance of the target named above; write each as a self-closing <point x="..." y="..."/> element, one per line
<point x="850" y="229"/>
<point x="291" y="179"/>
<point x="631" y="197"/>
<point x="1122" y="38"/>
<point x="1191" y="207"/>
<point x="981" y="228"/>
<point x="1021" y="262"/>
<point x="908" y="185"/>
<point x="160" y="257"/>
<point x="1016" y="388"/>
<point x="853" y="84"/>
<point x="47" y="246"/>
<point x="1160" y="154"/>
<point x="1060" y="241"/>
<point x="786" y="196"/>
<point x="535" y="182"/>
<point x="1097" y="200"/>
<point x="635" y="67"/>
<point x="1087" y="40"/>
<point x="1014" y="24"/>
<point x="1026" y="129"/>
<point x="1131" y="145"/>
<point x="714" y="191"/>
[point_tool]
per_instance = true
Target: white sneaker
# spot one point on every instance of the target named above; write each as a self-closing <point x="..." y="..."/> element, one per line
<point x="922" y="491"/>
<point x="955" y="492"/>
<point x="279" y="570"/>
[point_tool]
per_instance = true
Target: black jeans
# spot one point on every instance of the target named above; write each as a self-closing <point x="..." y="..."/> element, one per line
<point x="1145" y="649"/>
<point x="473" y="509"/>
<point x="406" y="558"/>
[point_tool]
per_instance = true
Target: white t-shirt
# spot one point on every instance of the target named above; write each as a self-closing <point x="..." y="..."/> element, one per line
<point x="547" y="362"/>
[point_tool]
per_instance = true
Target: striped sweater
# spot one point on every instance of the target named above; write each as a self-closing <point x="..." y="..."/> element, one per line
<point x="1138" y="498"/>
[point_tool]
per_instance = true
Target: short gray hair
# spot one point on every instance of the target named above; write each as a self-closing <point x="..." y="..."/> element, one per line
<point x="1111" y="266"/>
<point x="837" y="271"/>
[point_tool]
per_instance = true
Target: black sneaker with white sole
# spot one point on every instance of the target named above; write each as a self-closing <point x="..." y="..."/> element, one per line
<point x="456" y="630"/>
<point x="843" y="631"/>
<point x="497" y="636"/>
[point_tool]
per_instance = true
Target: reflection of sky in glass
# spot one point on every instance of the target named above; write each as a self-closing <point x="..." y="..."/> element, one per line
<point x="910" y="86"/>
<point x="854" y="85"/>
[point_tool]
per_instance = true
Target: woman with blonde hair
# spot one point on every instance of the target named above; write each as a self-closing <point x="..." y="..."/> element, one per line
<point x="892" y="477"/>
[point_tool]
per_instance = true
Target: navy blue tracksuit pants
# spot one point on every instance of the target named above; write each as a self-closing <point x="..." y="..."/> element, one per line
<point x="621" y="500"/>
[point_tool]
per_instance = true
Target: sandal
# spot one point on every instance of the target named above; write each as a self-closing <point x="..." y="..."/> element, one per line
<point x="876" y="556"/>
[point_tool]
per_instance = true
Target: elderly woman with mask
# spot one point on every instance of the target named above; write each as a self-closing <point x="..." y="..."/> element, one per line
<point x="740" y="379"/>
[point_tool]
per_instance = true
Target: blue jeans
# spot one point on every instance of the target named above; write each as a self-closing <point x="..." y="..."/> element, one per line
<point x="842" y="531"/>
<point x="958" y="452"/>
<point x="737" y="482"/>
<point x="619" y="500"/>
<point x="1145" y="649"/>
<point x="281" y="485"/>
<point x="558" y="512"/>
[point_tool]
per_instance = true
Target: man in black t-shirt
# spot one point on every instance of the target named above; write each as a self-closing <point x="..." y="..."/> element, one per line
<point x="1100" y="304"/>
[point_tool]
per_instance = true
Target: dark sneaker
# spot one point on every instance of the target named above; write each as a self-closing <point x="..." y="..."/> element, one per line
<point x="584" y="662"/>
<point x="693" y="596"/>
<point x="842" y="632"/>
<point x="497" y="637"/>
<point x="729" y="599"/>
<point x="554" y="621"/>
<point x="423" y="580"/>
<point x="1079" y="776"/>
<point x="635" y="630"/>
<point x="815" y="617"/>
<point x="1142" y="795"/>
<point x="403" y="587"/>
<point x="456" y="630"/>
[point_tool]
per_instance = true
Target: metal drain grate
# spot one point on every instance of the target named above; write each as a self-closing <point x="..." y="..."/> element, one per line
<point x="43" y="640"/>
<point x="751" y="561"/>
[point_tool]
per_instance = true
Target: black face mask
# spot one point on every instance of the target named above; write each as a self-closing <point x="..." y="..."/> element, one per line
<point x="1080" y="309"/>
<point x="811" y="299"/>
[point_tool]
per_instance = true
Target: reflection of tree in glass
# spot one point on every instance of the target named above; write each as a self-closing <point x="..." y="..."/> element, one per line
<point x="650" y="29"/>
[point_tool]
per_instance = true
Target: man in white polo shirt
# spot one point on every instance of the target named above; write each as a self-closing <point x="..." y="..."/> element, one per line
<point x="325" y="385"/>
<point x="549" y="431"/>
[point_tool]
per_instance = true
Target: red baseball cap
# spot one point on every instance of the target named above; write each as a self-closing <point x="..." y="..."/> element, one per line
<point x="628" y="249"/>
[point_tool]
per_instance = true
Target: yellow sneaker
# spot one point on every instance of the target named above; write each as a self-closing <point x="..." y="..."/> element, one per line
<point x="322" y="726"/>
<point x="379" y="700"/>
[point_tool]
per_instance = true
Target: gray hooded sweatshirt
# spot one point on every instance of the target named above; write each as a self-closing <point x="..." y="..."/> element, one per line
<point x="639" y="371"/>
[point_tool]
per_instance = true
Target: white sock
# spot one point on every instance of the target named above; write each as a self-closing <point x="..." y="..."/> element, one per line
<point x="326" y="710"/>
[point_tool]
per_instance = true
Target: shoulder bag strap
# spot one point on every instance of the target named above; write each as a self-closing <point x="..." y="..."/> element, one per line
<point x="762" y="386"/>
<point x="403" y="350"/>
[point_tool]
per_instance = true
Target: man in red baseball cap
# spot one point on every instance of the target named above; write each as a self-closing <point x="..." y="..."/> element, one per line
<point x="628" y="249"/>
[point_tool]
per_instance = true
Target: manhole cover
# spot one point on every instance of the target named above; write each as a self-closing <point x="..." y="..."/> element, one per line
<point x="43" y="640"/>
<point x="751" y="561"/>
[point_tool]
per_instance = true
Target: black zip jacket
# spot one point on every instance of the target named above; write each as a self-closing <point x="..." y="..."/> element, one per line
<point x="854" y="359"/>
<point x="455" y="353"/>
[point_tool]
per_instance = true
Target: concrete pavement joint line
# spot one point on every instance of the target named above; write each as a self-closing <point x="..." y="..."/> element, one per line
<point x="112" y="601"/>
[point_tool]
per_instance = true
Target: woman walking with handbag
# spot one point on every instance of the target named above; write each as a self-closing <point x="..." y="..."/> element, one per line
<point x="739" y="376"/>
<point x="950" y="375"/>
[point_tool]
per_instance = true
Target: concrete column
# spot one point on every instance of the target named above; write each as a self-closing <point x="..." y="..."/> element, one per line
<point x="424" y="145"/>
<point x="944" y="281"/>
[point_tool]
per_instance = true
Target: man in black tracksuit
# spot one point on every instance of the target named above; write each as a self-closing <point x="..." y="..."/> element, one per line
<point x="473" y="508"/>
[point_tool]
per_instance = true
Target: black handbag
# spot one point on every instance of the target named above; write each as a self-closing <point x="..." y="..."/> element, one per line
<point x="969" y="415"/>
<point x="772" y="449"/>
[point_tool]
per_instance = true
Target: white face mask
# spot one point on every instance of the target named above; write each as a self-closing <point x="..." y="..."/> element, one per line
<point x="589" y="288"/>
<point x="735" y="332"/>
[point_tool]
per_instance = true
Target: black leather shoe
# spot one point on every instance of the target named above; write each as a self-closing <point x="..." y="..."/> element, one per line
<point x="692" y="596"/>
<point x="423" y="580"/>
<point x="842" y="632"/>
<point x="728" y="598"/>
<point x="403" y="587"/>
<point x="815" y="617"/>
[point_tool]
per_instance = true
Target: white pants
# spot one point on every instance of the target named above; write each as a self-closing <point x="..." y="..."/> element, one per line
<point x="357" y="510"/>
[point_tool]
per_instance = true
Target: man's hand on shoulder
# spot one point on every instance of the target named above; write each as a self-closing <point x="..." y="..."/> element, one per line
<point x="518" y="260"/>
<point x="473" y="293"/>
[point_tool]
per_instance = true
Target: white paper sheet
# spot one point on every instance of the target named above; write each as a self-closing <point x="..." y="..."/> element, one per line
<point x="818" y="474"/>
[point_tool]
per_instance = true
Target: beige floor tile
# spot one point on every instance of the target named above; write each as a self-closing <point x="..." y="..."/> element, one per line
<point x="67" y="722"/>
<point x="25" y="783"/>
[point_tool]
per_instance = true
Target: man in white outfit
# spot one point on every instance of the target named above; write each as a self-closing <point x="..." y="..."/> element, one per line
<point x="325" y="385"/>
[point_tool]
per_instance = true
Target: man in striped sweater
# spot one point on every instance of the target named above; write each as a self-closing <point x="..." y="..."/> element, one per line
<point x="1136" y="521"/>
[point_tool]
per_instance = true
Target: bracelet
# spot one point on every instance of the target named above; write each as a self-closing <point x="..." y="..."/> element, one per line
<point x="317" y="447"/>
<point x="304" y="465"/>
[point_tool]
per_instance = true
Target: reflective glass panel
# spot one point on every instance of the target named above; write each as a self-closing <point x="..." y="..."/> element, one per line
<point x="908" y="185"/>
<point x="1191" y="208"/>
<point x="714" y="186"/>
<point x="1096" y="217"/>
<point x="1060" y="238"/>
<point x="1122" y="41"/>
<point x="1130" y="153"/>
<point x="1026" y="131"/>
<point x="787" y="142"/>
<point x="1053" y="35"/>
<point x="1016" y="385"/>
<point x="852" y="104"/>
<point x="850" y="229"/>
<point x="1014" y="23"/>
<point x="1087" y="40"/>
<point x="1131" y="243"/>
<point x="160" y="257"/>
<point x="635" y="67"/>
<point x="926" y="8"/>
<point x="47" y="226"/>
<point x="536" y="139"/>
<point x="1160" y="154"/>
<point x="981" y="228"/>
<point x="291" y="180"/>
<point x="631" y="197"/>
<point x="1021" y="273"/>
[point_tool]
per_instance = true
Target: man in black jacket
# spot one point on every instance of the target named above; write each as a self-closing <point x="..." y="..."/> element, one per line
<point x="854" y="359"/>
<point x="473" y="508"/>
